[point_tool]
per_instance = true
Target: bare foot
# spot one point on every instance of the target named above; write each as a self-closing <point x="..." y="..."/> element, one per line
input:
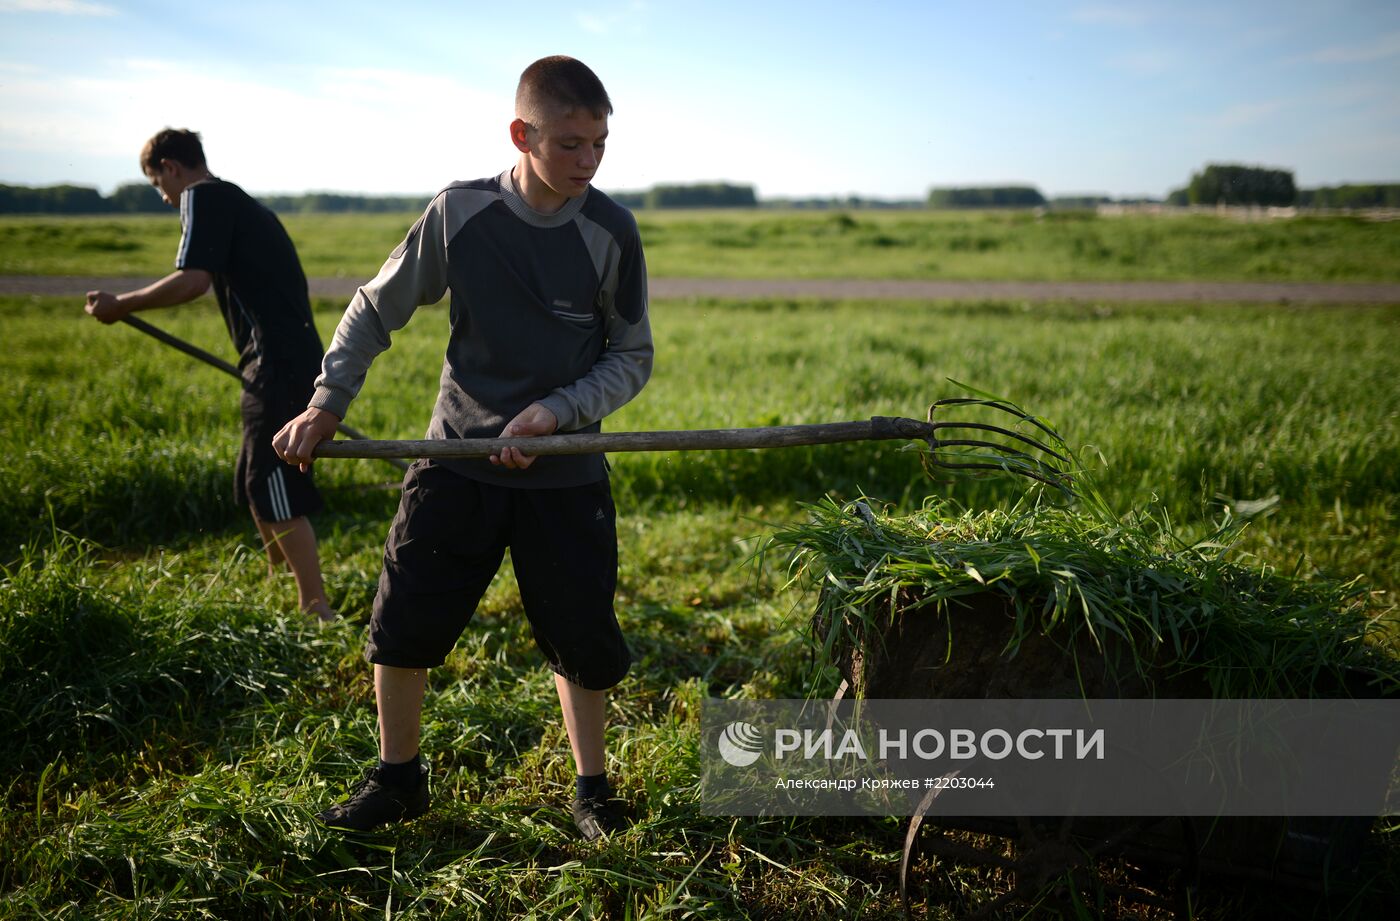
<point x="321" y="611"/>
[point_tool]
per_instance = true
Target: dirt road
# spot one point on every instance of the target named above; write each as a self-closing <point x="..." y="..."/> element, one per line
<point x="1031" y="291"/>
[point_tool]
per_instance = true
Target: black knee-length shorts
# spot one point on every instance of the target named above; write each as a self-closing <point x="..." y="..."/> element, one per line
<point x="276" y="490"/>
<point x="447" y="542"/>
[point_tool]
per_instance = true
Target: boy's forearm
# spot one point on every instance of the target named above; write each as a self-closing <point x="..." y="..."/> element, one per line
<point x="179" y="287"/>
<point x="358" y="340"/>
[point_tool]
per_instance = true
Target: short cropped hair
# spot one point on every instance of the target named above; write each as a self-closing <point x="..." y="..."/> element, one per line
<point x="179" y="144"/>
<point x="557" y="85"/>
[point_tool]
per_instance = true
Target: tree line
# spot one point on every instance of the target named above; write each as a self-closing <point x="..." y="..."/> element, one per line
<point x="696" y="195"/>
<point x="139" y="197"/>
<point x="1361" y="195"/>
<point x="1233" y="184"/>
<point x="131" y="198"/>
<point x="1216" y="184"/>
<point x="986" y="197"/>
<point x="1228" y="184"/>
<point x="142" y="198"/>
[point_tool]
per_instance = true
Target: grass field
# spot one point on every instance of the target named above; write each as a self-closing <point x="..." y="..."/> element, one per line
<point x="176" y="725"/>
<point x="949" y="245"/>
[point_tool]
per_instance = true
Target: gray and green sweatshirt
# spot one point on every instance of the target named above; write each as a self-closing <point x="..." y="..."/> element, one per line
<point x="547" y="308"/>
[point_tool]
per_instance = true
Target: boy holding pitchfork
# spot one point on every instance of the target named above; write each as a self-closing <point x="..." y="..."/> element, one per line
<point x="230" y="242"/>
<point x="548" y="332"/>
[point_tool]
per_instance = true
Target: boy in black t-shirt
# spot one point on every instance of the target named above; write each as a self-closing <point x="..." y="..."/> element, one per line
<point x="232" y="243"/>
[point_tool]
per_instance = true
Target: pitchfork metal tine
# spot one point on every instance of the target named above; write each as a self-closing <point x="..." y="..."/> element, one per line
<point x="995" y="404"/>
<point x="1061" y="483"/>
<point x="1003" y="457"/>
<point x="1025" y="439"/>
<point x="1002" y="450"/>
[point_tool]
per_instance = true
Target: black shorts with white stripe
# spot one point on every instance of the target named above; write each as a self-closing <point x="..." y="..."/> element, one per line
<point x="274" y="489"/>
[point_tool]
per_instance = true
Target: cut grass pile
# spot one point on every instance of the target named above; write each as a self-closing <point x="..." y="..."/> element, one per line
<point x="1055" y="599"/>
<point x="1170" y="610"/>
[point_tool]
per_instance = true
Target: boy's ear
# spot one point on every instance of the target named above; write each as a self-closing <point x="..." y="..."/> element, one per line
<point x="520" y="135"/>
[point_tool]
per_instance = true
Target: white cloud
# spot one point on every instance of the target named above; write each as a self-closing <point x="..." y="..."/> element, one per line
<point x="593" y="24"/>
<point x="339" y="129"/>
<point x="1146" y="63"/>
<point x="1112" y="14"/>
<point x="1247" y="113"/>
<point x="654" y="143"/>
<point x="152" y="65"/>
<point x="629" y="20"/>
<point x="62" y="7"/>
<point x="1384" y="46"/>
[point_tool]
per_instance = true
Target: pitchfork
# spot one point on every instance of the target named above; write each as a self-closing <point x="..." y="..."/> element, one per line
<point x="1047" y="465"/>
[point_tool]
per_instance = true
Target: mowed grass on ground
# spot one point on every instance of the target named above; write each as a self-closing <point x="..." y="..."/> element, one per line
<point x="174" y="725"/>
<point x="947" y="245"/>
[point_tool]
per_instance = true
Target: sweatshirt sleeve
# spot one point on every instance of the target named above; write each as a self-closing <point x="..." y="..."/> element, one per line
<point x="625" y="364"/>
<point x="414" y="274"/>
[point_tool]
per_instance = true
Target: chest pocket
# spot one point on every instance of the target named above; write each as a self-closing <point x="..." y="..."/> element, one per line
<point x="567" y="275"/>
<point x="580" y="302"/>
<point x="566" y="311"/>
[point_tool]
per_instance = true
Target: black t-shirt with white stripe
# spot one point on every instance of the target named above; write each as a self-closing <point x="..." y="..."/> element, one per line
<point x="257" y="278"/>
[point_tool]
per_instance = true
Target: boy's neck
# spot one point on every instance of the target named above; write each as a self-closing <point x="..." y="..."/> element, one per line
<point x="189" y="175"/>
<point x="533" y="191"/>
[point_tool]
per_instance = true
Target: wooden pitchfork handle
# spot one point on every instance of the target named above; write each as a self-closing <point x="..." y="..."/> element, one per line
<point x="215" y="361"/>
<point x="777" y="436"/>
<point x="995" y="456"/>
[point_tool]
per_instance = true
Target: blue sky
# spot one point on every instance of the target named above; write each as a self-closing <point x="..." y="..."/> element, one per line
<point x="878" y="99"/>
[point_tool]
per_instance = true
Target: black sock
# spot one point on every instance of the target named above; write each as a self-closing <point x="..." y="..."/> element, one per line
<point x="400" y="775"/>
<point x="593" y="787"/>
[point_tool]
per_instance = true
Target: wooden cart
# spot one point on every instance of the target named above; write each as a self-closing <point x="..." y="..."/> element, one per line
<point x="926" y="653"/>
